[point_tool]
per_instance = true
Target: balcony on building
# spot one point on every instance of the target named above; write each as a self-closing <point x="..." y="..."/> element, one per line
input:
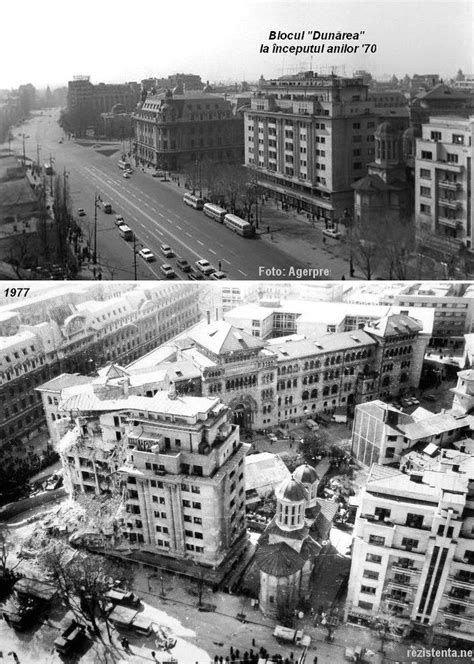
<point x="459" y="597"/>
<point x="462" y="579"/>
<point x="449" y="223"/>
<point x="406" y="566"/>
<point x="455" y="611"/>
<point x="450" y="203"/>
<point x="450" y="185"/>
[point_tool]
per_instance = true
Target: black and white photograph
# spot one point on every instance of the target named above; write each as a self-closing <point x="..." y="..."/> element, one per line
<point x="260" y="140"/>
<point x="267" y="472"/>
<point x="237" y="332"/>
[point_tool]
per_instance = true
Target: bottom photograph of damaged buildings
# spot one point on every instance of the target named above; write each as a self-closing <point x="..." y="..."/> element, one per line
<point x="237" y="472"/>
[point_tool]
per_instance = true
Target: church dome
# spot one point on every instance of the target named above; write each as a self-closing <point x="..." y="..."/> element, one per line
<point x="118" y="108"/>
<point x="292" y="490"/>
<point x="306" y="474"/>
<point x="385" y="129"/>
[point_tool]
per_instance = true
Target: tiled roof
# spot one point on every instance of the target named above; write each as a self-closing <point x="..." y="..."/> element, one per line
<point x="221" y="337"/>
<point x="278" y="560"/>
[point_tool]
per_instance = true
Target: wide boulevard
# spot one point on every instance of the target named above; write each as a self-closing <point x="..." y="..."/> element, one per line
<point x="154" y="210"/>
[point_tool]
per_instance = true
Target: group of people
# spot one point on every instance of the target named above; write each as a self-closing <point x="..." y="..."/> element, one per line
<point x="253" y="656"/>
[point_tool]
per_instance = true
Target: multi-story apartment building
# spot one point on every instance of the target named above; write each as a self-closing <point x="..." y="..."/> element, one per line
<point x="413" y="552"/>
<point x="308" y="137"/>
<point x="453" y="305"/>
<point x="100" y="98"/>
<point x="80" y="338"/>
<point x="179" y="459"/>
<point x="382" y="433"/>
<point x="444" y="181"/>
<point x="181" y="127"/>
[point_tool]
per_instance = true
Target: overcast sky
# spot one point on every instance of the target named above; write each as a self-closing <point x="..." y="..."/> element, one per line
<point x="50" y="41"/>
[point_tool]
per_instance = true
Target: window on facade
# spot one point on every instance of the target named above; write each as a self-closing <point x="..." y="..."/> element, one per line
<point x="369" y="590"/>
<point x="373" y="558"/>
<point x="376" y="539"/>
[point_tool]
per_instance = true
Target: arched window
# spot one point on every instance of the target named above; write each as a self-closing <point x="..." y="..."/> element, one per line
<point x="305" y="395"/>
<point x="334" y="389"/>
<point x="314" y="394"/>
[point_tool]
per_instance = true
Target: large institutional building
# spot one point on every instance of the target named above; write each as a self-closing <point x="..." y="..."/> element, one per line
<point x="177" y="128"/>
<point x="72" y="333"/>
<point x="100" y="98"/>
<point x="266" y="383"/>
<point x="308" y="137"/>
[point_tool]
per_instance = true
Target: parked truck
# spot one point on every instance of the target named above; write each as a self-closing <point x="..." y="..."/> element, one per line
<point x="289" y="635"/>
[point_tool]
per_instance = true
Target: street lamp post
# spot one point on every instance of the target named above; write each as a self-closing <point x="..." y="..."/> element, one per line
<point x="347" y="220"/>
<point x="97" y="200"/>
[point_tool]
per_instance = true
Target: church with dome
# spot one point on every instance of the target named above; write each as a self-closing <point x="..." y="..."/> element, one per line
<point x="386" y="194"/>
<point x="290" y="546"/>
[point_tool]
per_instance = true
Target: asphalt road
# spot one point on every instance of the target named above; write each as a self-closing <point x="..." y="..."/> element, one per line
<point x="153" y="209"/>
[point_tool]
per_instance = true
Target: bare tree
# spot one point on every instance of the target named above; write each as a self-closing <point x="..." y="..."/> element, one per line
<point x="82" y="581"/>
<point x="386" y="624"/>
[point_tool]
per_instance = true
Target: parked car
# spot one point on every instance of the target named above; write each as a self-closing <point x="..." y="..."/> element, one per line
<point x="146" y="254"/>
<point x="272" y="437"/>
<point x="119" y="220"/>
<point x="195" y="275"/>
<point x="215" y="276"/>
<point x="166" y="250"/>
<point x="81" y="212"/>
<point x="168" y="271"/>
<point x="204" y="266"/>
<point x="330" y="232"/>
<point x="126" y="176"/>
<point x="158" y="174"/>
<point x="183" y="264"/>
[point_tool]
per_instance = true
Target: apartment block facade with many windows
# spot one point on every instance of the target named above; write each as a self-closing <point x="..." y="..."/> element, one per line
<point x="177" y="461"/>
<point x="444" y="181"/>
<point x="413" y="552"/>
<point x="308" y="137"/>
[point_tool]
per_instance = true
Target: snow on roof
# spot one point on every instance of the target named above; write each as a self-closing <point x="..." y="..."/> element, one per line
<point x="263" y="469"/>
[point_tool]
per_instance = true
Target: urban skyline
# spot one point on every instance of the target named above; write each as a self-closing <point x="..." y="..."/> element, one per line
<point x="384" y="24"/>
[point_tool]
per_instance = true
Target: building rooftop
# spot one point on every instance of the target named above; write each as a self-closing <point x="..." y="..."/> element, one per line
<point x="221" y="337"/>
<point x="64" y="381"/>
<point x="264" y="469"/>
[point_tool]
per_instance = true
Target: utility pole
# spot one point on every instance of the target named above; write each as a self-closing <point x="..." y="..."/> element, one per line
<point x="24" y="152"/>
<point x="51" y="173"/>
<point x="134" y="257"/>
<point x="96" y="203"/>
<point x="38" y="156"/>
<point x="62" y="224"/>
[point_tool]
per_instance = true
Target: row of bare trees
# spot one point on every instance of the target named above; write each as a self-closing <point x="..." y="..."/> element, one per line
<point x="229" y="185"/>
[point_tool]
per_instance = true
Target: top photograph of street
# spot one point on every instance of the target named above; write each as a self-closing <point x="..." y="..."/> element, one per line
<point x="270" y="140"/>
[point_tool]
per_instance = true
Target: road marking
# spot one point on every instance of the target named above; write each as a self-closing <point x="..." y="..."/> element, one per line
<point x="213" y="252"/>
<point x="201" y="243"/>
<point x="242" y="273"/>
